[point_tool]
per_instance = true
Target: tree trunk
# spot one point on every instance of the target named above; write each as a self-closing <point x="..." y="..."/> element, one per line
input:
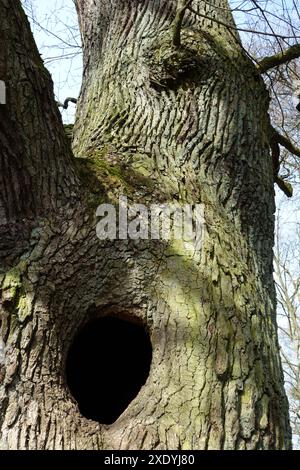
<point x="158" y="124"/>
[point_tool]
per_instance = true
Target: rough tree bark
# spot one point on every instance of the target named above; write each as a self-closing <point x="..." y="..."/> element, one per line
<point x="187" y="125"/>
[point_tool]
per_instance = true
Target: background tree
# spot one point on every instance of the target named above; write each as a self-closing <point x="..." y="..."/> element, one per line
<point x="183" y="122"/>
<point x="283" y="84"/>
<point x="287" y="282"/>
<point x="288" y="287"/>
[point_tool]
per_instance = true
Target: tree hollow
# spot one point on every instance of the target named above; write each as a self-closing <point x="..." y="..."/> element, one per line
<point x="107" y="364"/>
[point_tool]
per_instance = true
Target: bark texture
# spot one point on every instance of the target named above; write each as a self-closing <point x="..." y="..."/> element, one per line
<point x="35" y="171"/>
<point x="158" y="124"/>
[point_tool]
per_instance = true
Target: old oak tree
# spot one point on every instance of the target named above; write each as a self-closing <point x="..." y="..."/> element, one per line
<point x="171" y="110"/>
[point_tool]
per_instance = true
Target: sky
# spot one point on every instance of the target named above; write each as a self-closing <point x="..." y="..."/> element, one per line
<point x="54" y="25"/>
<point x="58" y="41"/>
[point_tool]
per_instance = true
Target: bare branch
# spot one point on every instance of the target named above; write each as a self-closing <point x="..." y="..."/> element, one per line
<point x="181" y="9"/>
<point x="270" y="62"/>
<point x="285" y="142"/>
<point x="65" y="104"/>
<point x="244" y="30"/>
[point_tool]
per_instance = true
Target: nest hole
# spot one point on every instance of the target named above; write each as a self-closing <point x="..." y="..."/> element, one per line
<point x="107" y="364"/>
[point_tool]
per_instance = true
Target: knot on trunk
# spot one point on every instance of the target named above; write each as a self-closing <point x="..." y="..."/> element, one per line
<point x="188" y="66"/>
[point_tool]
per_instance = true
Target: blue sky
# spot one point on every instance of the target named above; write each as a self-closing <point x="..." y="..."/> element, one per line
<point x="59" y="43"/>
